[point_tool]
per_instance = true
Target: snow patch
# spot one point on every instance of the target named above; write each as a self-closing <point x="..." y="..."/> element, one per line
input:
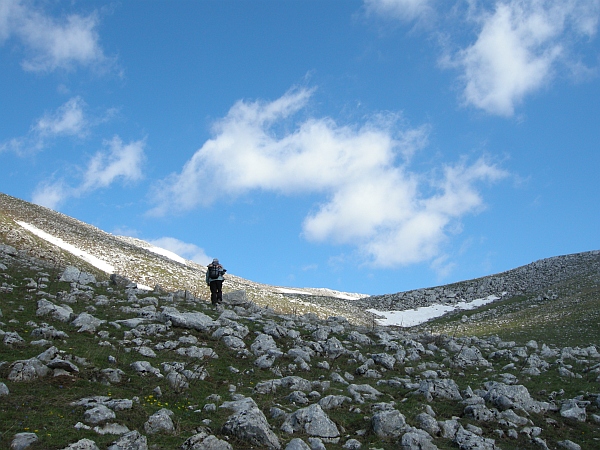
<point x="417" y="316"/>
<point x="167" y="253"/>
<point x="321" y="291"/>
<point x="96" y="262"/>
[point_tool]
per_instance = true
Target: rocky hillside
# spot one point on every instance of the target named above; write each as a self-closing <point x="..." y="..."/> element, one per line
<point x="132" y="259"/>
<point x="536" y="278"/>
<point x="90" y="363"/>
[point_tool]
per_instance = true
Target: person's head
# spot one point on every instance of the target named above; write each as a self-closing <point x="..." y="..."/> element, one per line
<point x="215" y="262"/>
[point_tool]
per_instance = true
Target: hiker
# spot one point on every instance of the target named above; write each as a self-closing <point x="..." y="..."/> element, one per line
<point x="214" y="279"/>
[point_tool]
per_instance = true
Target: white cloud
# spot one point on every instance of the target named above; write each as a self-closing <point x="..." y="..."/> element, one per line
<point x="68" y="120"/>
<point x="51" y="194"/>
<point x="183" y="249"/>
<point x="404" y="10"/>
<point x="51" y="43"/>
<point x="371" y="199"/>
<point x="122" y="162"/>
<point x="519" y="47"/>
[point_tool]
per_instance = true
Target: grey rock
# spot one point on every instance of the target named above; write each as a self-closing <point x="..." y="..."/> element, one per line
<point x="298" y="397"/>
<point x="569" y="445"/>
<point x="299" y="353"/>
<point x="360" y="392"/>
<point x="514" y="418"/>
<point x="61" y="313"/>
<point x="197" y="352"/>
<point x="449" y="428"/>
<point x="48" y="355"/>
<point x="468" y="440"/>
<point x="266" y="361"/>
<point x="338" y="378"/>
<point x="470" y="356"/>
<point x="113" y="403"/>
<point x="27" y="370"/>
<point x="204" y="441"/>
<point x="443" y="388"/>
<point x="428" y="423"/>
<point x="111" y="428"/>
<point x="145" y="368"/>
<point x="99" y="414"/>
<point x="275" y="330"/>
<point x="316" y="443"/>
<point x="233" y="342"/>
<point x="82" y="444"/>
<point x="384" y="359"/>
<point x="480" y="413"/>
<point x="352" y="444"/>
<point x="333" y="348"/>
<point x="112" y="376"/>
<point x="48" y="332"/>
<point x="321" y="334"/>
<point x="517" y="396"/>
<point x="233" y="298"/>
<point x="63" y="365"/>
<point x="74" y="275"/>
<point x="22" y="441"/>
<point x="313" y="421"/>
<point x="571" y="410"/>
<point x="12" y="338"/>
<point x="160" y="422"/>
<point x="130" y="441"/>
<point x="262" y="344"/>
<point x="417" y="440"/>
<point x="194" y="320"/>
<point x="3" y="389"/>
<point x="297" y="444"/>
<point x="333" y="401"/>
<point x="231" y="328"/>
<point x="249" y="424"/>
<point x="87" y="323"/>
<point x="389" y="424"/>
<point x="540" y="443"/>
<point x="355" y="336"/>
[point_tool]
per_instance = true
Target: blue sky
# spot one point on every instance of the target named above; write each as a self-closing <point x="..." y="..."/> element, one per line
<point x="366" y="146"/>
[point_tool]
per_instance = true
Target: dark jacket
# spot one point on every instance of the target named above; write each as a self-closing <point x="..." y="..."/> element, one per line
<point x="219" y="278"/>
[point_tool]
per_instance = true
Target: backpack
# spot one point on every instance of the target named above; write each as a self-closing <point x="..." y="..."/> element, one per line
<point x="214" y="271"/>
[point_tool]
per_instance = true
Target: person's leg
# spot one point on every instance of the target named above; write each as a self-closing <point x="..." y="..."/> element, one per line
<point x="219" y="291"/>
<point x="214" y="289"/>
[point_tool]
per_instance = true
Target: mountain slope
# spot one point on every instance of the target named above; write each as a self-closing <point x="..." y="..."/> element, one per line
<point x="133" y="259"/>
<point x="558" y="279"/>
<point x="91" y="364"/>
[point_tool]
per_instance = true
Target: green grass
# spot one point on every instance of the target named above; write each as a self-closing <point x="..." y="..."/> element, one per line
<point x="44" y="406"/>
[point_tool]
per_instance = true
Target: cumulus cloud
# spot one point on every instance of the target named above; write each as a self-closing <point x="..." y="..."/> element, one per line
<point x="519" y="47"/>
<point x="68" y="120"/>
<point x="71" y="119"/>
<point x="404" y="10"/>
<point x="51" y="194"/>
<point x="370" y="198"/>
<point x="51" y="43"/>
<point x="122" y="162"/>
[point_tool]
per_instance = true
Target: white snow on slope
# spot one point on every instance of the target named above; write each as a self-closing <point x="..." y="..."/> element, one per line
<point x="96" y="262"/>
<point x="167" y="253"/>
<point x="412" y="317"/>
<point x="322" y="291"/>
